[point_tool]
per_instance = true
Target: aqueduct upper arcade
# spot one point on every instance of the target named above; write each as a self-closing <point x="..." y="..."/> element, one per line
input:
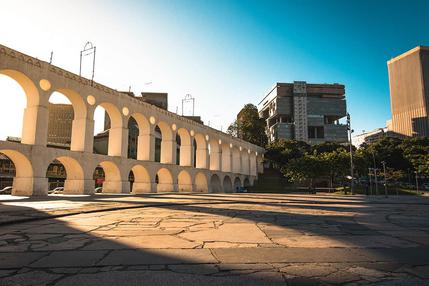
<point x="207" y="160"/>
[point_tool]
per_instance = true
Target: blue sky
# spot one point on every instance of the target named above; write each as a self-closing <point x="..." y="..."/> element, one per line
<point x="227" y="53"/>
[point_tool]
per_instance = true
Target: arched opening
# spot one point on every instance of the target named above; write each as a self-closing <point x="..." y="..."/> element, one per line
<point x="237" y="184"/>
<point x="226" y="158"/>
<point x="184" y="182"/>
<point x="66" y="120"/>
<point x="227" y="184"/>
<point x="65" y="174"/>
<point x="139" y="137"/>
<point x="17" y="172"/>
<point x="56" y="175"/>
<point x="108" y="130"/>
<point x="246" y="183"/>
<point x="215" y="184"/>
<point x="178" y="145"/>
<point x="236" y="160"/>
<point x="215" y="155"/>
<point x="141" y="180"/>
<point x="165" y="144"/>
<point x="201" y="183"/>
<point x="22" y="114"/>
<point x="200" y="152"/>
<point x="107" y="178"/>
<point x="158" y="140"/>
<point x="185" y="149"/>
<point x="164" y="181"/>
<point x="133" y="135"/>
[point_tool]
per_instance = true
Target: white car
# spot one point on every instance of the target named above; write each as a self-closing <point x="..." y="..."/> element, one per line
<point x="6" y="190"/>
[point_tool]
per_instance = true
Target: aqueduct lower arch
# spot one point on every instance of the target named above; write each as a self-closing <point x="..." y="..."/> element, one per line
<point x="219" y="158"/>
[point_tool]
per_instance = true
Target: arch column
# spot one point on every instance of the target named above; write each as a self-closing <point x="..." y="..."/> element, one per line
<point x="112" y="186"/>
<point x="226" y="159"/>
<point x="168" y="151"/>
<point x="85" y="127"/>
<point x="118" y="142"/>
<point x="146" y="145"/>
<point x="35" y="125"/>
<point x="186" y="155"/>
<point x="202" y="156"/>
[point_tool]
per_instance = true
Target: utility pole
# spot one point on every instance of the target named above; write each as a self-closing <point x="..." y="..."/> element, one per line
<point x="88" y="49"/>
<point x="385" y="179"/>
<point x="349" y="128"/>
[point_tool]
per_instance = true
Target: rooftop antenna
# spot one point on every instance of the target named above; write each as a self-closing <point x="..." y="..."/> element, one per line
<point x="50" y="59"/>
<point x="88" y="49"/>
<point x="188" y="98"/>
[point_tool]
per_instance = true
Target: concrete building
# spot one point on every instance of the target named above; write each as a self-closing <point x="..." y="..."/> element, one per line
<point x="409" y="92"/>
<point x="305" y="112"/>
<point x="373" y="136"/>
<point x="60" y="123"/>
<point x="209" y="160"/>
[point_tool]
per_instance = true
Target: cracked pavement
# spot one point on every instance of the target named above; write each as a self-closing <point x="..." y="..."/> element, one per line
<point x="214" y="239"/>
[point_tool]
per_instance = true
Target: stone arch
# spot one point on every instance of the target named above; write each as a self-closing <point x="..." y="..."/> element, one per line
<point x="167" y="143"/>
<point x="201" y="151"/>
<point x="215" y="154"/>
<point x="185" y="153"/>
<point x="33" y="114"/>
<point x="201" y="183"/>
<point x="236" y="160"/>
<point x="184" y="182"/>
<point x="215" y="184"/>
<point x="227" y="184"/>
<point x="246" y="182"/>
<point x="23" y="180"/>
<point x="142" y="183"/>
<point x="79" y="124"/>
<point x="143" y="144"/>
<point x="74" y="181"/>
<point x="237" y="184"/>
<point x="112" y="177"/>
<point x="226" y="158"/>
<point x="164" y="181"/>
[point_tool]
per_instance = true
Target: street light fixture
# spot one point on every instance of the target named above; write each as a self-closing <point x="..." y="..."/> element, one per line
<point x="349" y="128"/>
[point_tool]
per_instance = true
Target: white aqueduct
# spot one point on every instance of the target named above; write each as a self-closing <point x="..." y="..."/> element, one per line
<point x="222" y="162"/>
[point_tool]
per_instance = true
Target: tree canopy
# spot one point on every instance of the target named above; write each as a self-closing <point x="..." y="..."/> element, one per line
<point x="248" y="126"/>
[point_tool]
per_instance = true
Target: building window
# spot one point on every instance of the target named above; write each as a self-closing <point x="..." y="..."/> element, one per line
<point x="316" y="132"/>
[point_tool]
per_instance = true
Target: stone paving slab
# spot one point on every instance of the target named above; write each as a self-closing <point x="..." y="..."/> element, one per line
<point x="215" y="239"/>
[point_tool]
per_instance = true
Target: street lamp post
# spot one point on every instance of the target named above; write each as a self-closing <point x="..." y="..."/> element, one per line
<point x="417" y="182"/>
<point x="370" y="183"/>
<point x="385" y="178"/>
<point x="351" y="151"/>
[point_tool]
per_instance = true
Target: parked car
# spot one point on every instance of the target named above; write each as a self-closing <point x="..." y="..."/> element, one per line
<point x="98" y="190"/>
<point x="6" y="190"/>
<point x="241" y="190"/>
<point x="57" y="190"/>
<point x="425" y="186"/>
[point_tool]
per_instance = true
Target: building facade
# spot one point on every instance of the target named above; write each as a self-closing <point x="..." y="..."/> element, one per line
<point x="305" y="112"/>
<point x="409" y="92"/>
<point x="60" y="123"/>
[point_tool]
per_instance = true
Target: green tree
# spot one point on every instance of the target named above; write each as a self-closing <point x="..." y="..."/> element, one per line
<point x="306" y="168"/>
<point x="279" y="152"/>
<point x="248" y="126"/>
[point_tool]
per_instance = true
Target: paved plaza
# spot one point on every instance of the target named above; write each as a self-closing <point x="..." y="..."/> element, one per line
<point x="214" y="239"/>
